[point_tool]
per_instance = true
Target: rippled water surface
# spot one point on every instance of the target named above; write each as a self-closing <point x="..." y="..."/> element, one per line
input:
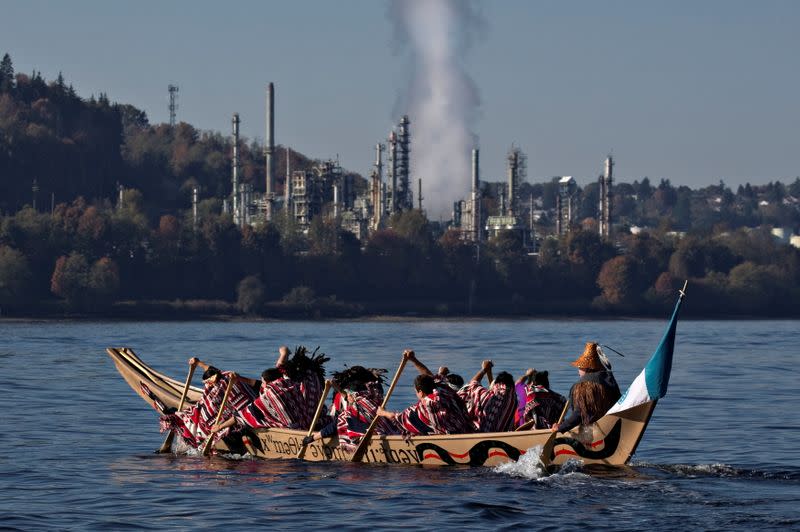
<point x="719" y="453"/>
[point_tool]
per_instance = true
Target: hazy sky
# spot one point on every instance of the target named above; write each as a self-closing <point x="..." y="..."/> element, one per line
<point x="693" y="91"/>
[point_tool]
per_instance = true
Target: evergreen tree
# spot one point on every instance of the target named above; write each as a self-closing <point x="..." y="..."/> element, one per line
<point x="6" y="74"/>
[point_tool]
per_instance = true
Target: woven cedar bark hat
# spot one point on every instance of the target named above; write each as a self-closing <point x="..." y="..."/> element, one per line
<point x="589" y="359"/>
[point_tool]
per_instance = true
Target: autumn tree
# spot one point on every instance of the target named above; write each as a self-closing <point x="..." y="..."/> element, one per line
<point x="71" y="278"/>
<point x="617" y="280"/>
<point x="103" y="281"/>
<point x="15" y="276"/>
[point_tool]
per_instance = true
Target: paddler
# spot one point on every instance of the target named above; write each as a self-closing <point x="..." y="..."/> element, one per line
<point x="193" y="424"/>
<point x="288" y="396"/>
<point x="490" y="409"/>
<point x="359" y="392"/>
<point x="595" y="392"/>
<point x="438" y="409"/>
<point x="543" y="406"/>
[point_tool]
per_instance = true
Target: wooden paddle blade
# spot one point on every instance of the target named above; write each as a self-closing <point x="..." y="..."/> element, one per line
<point x="167" y="445"/>
<point x="547" y="451"/>
<point x="547" y="448"/>
<point x="528" y="425"/>
<point x="363" y="445"/>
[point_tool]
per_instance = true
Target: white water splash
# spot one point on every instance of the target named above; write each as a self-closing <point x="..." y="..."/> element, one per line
<point x="441" y="99"/>
<point x="180" y="447"/>
<point x="530" y="466"/>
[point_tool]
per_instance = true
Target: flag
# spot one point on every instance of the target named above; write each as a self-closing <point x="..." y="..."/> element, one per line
<point x="652" y="382"/>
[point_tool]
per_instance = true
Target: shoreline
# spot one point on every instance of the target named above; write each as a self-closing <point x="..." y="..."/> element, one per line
<point x="315" y="316"/>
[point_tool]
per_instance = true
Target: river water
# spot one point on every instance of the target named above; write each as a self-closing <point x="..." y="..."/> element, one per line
<point x="77" y="443"/>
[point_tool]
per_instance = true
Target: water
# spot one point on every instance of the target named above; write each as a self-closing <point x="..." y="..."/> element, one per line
<point x="76" y="443"/>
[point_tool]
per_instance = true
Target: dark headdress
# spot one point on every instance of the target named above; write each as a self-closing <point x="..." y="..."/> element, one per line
<point x="357" y="377"/>
<point x="301" y="363"/>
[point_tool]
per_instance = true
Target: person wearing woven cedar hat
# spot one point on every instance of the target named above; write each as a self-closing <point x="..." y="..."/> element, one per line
<point x="595" y="392"/>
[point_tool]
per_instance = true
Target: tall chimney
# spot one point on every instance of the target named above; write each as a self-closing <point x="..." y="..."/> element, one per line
<point x="379" y="160"/>
<point x="476" y="215"/>
<point x="270" y="148"/>
<point x="235" y="191"/>
<point x="393" y="168"/>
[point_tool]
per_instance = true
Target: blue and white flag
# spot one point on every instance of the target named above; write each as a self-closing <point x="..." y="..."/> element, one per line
<point x="651" y="384"/>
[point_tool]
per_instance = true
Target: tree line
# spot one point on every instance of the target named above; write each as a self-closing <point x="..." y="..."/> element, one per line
<point x="90" y="258"/>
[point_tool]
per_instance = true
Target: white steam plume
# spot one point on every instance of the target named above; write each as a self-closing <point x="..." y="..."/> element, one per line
<point x="441" y="99"/>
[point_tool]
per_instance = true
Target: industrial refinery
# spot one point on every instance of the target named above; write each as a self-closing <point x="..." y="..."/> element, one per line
<point x="365" y="206"/>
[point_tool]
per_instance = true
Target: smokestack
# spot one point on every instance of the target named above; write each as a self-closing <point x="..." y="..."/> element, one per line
<point x="476" y="215"/>
<point x="270" y="148"/>
<point x="393" y="170"/>
<point x="475" y="170"/>
<point x="235" y="191"/>
<point x="379" y="160"/>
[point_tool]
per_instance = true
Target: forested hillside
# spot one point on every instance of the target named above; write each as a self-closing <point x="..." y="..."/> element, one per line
<point x="69" y="243"/>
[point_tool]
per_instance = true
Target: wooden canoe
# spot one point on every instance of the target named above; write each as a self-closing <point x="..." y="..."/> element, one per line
<point x="610" y="441"/>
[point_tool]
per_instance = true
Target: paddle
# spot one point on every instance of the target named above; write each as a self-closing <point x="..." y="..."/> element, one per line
<point x="547" y="448"/>
<point x="526" y="426"/>
<point x="167" y="445"/>
<point x="362" y="446"/>
<point x="210" y="438"/>
<point x="325" y="391"/>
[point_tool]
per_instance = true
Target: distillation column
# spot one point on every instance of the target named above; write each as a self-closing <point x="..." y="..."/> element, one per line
<point x="235" y="177"/>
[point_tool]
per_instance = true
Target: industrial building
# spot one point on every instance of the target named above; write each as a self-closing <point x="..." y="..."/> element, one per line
<point x="566" y="204"/>
<point x="325" y="190"/>
<point x="606" y="182"/>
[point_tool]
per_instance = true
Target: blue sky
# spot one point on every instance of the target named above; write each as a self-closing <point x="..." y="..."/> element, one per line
<point x="691" y="91"/>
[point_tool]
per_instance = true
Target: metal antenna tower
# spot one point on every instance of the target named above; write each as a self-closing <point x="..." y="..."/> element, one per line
<point x="173" y="104"/>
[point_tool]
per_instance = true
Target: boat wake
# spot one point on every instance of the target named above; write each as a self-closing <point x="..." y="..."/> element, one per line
<point x="719" y="470"/>
<point x="530" y="466"/>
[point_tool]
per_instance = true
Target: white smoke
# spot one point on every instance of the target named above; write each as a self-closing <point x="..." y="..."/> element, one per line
<point x="441" y="99"/>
